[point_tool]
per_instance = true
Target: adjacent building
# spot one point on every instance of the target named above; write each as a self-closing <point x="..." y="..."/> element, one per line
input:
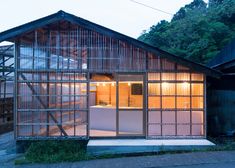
<point x="221" y="93"/>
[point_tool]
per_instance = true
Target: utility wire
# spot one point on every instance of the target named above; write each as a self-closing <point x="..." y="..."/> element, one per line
<point x="159" y="10"/>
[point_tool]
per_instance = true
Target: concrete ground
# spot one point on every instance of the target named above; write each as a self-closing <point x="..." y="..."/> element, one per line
<point x="7" y="150"/>
<point x="222" y="159"/>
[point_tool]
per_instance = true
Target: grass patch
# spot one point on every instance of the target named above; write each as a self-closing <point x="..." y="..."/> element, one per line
<point x="222" y="143"/>
<point x="54" y="151"/>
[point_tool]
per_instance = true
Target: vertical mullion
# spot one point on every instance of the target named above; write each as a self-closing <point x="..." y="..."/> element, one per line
<point x="61" y="101"/>
<point x="161" y="95"/>
<point x="146" y="105"/>
<point x="117" y="104"/>
<point x="61" y="75"/>
<point x="68" y="67"/>
<point x="176" y="102"/>
<point x="87" y="104"/>
<point x="48" y="77"/>
<point x="16" y="84"/>
<point x="33" y="67"/>
<point x="74" y="100"/>
<point x="146" y="61"/>
<point x="190" y="103"/>
<point x="204" y="107"/>
<point x="35" y="59"/>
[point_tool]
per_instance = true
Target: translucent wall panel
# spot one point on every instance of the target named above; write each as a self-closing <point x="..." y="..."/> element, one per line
<point x="183" y="76"/>
<point x="197" y="130"/>
<point x="154" y="123"/>
<point x="197" y="77"/>
<point x="180" y="67"/>
<point x="154" y="130"/>
<point x="183" y="130"/>
<point x="179" y="97"/>
<point x="168" y="121"/>
<point x="77" y="48"/>
<point x="183" y="89"/>
<point x="183" y="117"/>
<point x="183" y="123"/>
<point x="197" y="102"/>
<point x="153" y="76"/>
<point x="183" y="102"/>
<point x="51" y="104"/>
<point x="154" y="89"/>
<point x="197" y="117"/>
<point x="154" y="102"/>
<point x="197" y="89"/>
<point x="154" y="117"/>
<point x="167" y="65"/>
<point x="168" y="102"/>
<point x="168" y="88"/>
<point x="168" y="76"/>
<point x="154" y="62"/>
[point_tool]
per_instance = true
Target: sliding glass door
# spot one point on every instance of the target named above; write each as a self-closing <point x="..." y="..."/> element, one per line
<point x="130" y="105"/>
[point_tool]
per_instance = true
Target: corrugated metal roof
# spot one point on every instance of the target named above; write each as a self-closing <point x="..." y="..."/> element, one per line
<point x="226" y="55"/>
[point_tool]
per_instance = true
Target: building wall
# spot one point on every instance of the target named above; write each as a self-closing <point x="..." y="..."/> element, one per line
<point x="54" y="65"/>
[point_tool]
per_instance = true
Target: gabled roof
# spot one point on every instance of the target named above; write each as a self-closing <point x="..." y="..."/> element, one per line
<point x="226" y="56"/>
<point x="12" y="34"/>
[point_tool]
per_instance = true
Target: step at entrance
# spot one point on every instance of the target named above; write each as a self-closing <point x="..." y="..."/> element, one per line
<point x="119" y="146"/>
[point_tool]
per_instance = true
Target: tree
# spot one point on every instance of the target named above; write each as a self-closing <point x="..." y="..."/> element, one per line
<point x="198" y="5"/>
<point x="196" y="32"/>
<point x="215" y="2"/>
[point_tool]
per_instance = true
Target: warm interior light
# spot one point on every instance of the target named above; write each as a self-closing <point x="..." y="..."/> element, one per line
<point x="103" y="84"/>
<point x="129" y="84"/>
<point x="112" y="83"/>
<point x="185" y="84"/>
<point x="165" y="84"/>
<point x="98" y="84"/>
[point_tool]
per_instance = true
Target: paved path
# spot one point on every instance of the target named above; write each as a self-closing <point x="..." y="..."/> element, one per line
<point x="222" y="159"/>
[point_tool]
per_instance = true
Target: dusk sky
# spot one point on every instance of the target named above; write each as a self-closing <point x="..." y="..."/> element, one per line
<point x="123" y="16"/>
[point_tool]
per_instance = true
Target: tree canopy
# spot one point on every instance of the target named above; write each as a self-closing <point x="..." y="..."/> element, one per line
<point x="198" y="31"/>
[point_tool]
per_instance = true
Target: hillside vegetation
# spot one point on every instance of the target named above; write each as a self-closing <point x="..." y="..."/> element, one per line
<point x="198" y="31"/>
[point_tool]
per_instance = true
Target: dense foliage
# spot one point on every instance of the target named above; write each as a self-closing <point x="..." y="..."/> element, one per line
<point x="198" y="31"/>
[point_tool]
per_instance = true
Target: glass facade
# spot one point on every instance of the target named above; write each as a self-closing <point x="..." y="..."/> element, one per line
<point x="61" y="68"/>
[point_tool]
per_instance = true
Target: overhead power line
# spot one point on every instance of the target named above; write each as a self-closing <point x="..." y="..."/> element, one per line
<point x="159" y="10"/>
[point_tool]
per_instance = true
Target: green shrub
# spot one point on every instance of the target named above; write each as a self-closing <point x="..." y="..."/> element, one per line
<point x="56" y="151"/>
